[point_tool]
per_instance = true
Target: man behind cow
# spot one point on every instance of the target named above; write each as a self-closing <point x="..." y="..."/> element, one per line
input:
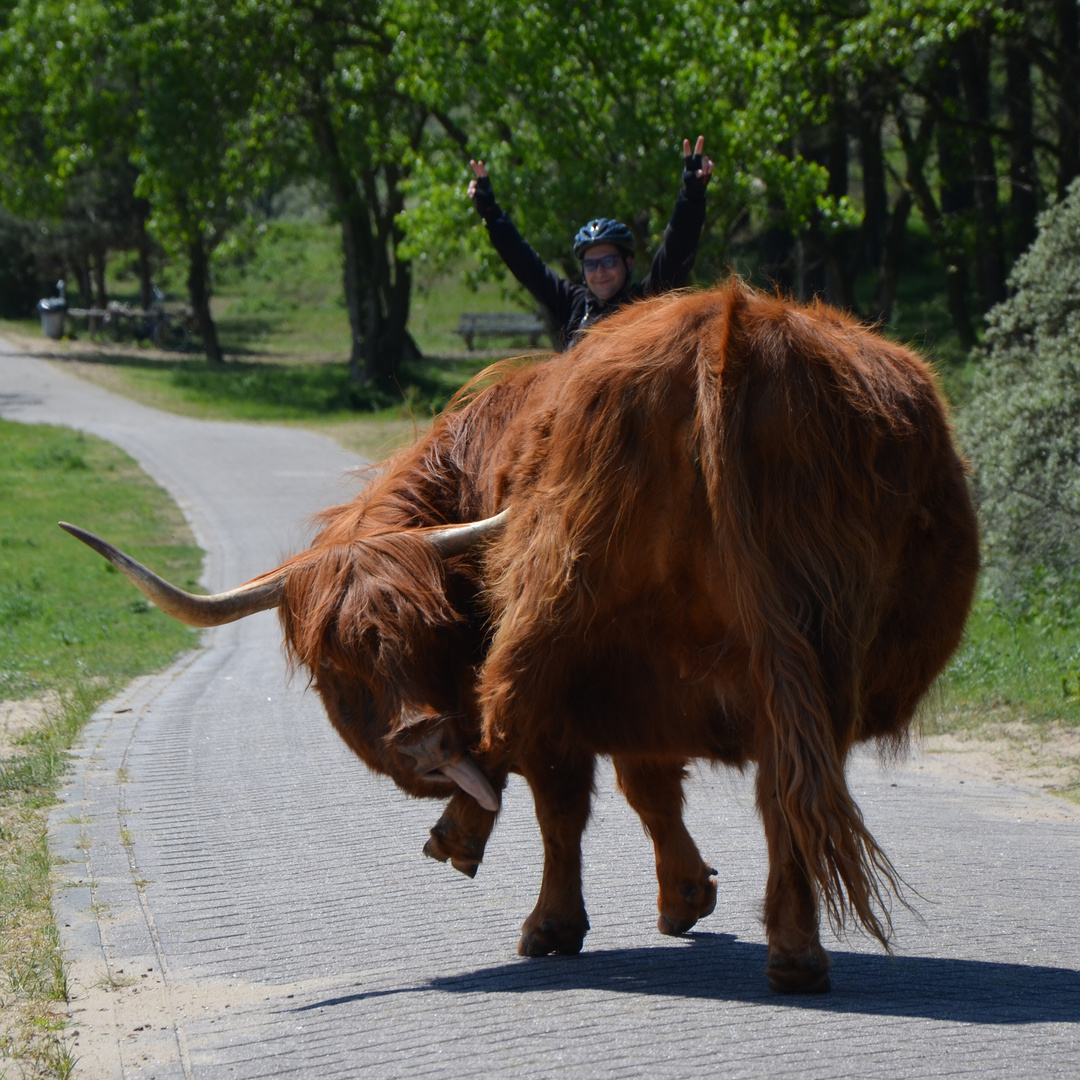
<point x="606" y="250"/>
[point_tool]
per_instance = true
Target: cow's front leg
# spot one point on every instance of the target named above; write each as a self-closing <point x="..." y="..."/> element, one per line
<point x="797" y="963"/>
<point x="461" y="834"/>
<point x="687" y="889"/>
<point x="562" y="788"/>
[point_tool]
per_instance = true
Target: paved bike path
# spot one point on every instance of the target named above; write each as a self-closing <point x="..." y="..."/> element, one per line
<point x="242" y="899"/>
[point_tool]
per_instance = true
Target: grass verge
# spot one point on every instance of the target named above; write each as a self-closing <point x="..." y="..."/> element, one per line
<point x="1013" y="689"/>
<point x="70" y="635"/>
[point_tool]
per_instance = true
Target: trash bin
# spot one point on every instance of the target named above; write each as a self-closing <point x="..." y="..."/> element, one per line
<point x="52" y="313"/>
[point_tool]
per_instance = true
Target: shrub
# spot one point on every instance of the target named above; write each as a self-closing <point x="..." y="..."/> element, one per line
<point x="1022" y="423"/>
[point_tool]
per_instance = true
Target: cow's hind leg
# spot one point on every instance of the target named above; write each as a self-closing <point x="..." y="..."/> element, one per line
<point x="562" y="787"/>
<point x="796" y="962"/>
<point x="687" y="889"/>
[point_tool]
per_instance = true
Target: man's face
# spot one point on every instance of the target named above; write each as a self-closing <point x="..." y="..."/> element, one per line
<point x="606" y="270"/>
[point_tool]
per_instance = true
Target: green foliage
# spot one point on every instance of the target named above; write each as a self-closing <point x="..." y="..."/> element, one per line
<point x="65" y="617"/>
<point x="585" y="111"/>
<point x="1022" y="423"/>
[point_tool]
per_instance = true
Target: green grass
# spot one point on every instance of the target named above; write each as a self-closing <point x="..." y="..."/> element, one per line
<point x="282" y="297"/>
<point x="70" y="632"/>
<point x="65" y="615"/>
<point x="1015" y="667"/>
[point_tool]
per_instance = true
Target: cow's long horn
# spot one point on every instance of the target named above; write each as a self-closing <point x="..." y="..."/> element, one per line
<point x="258" y="595"/>
<point x="467" y="775"/>
<point x="450" y="540"/>
<point x="431" y="757"/>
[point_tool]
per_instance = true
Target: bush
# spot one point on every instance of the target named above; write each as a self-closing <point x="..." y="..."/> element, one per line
<point x="1022" y="423"/>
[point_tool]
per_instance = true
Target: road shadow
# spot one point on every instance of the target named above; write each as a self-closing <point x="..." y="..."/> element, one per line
<point x="719" y="967"/>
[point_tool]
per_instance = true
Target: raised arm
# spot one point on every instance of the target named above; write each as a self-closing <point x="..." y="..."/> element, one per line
<point x="547" y="287"/>
<point x="673" y="262"/>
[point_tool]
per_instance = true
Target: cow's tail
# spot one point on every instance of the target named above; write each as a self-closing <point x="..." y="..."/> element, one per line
<point x="770" y="454"/>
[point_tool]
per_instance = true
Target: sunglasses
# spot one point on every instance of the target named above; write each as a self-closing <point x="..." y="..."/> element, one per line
<point x="607" y="262"/>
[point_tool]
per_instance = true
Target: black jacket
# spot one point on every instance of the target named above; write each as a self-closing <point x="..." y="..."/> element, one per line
<point x="574" y="307"/>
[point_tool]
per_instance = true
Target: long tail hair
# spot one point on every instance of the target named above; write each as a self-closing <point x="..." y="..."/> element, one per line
<point x="798" y="410"/>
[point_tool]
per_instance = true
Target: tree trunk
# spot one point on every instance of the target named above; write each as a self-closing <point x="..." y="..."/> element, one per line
<point x="97" y="264"/>
<point x="973" y="55"/>
<point x="198" y="284"/>
<point x="892" y="255"/>
<point x="1023" y="175"/>
<point x="875" y="198"/>
<point x="350" y="265"/>
<point x="1067" y="13"/>
<point x="947" y="238"/>
<point x="146" y="285"/>
<point x="81" y="268"/>
<point x="825" y="264"/>
<point x="953" y="150"/>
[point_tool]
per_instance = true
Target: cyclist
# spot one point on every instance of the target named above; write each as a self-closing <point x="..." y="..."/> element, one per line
<point x="606" y="250"/>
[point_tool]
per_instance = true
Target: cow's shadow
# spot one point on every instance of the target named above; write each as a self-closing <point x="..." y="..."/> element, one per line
<point x="719" y="967"/>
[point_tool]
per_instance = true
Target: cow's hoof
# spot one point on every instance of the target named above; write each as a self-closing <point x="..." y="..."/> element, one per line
<point x="551" y="937"/>
<point x="695" y="900"/>
<point x="805" y="974"/>
<point x="434" y="850"/>
<point x="463" y="853"/>
<point x="674" y="927"/>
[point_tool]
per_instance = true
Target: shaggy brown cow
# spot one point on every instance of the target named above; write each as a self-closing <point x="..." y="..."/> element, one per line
<point x="729" y="528"/>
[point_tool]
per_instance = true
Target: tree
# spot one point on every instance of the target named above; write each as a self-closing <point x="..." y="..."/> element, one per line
<point x="1022" y="424"/>
<point x="580" y="110"/>
<point x="197" y="68"/>
<point x="64" y="141"/>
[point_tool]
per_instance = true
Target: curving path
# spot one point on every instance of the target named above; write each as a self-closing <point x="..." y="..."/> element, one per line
<point x="240" y="898"/>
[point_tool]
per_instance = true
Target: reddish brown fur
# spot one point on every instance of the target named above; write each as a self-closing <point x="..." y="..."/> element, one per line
<point x="738" y="531"/>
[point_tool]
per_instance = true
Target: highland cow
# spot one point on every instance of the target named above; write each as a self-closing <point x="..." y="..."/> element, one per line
<point x="724" y="527"/>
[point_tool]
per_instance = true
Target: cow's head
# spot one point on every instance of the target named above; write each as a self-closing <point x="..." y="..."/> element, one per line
<point x="387" y="644"/>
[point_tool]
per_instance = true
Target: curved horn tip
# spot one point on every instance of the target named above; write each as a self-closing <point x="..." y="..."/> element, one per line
<point x="467" y="775"/>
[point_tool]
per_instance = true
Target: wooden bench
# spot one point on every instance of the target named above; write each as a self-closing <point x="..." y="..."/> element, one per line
<point x="472" y="325"/>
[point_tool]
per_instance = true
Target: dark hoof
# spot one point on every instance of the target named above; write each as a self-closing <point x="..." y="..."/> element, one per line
<point x="550" y="937"/>
<point x="463" y="852"/>
<point x="696" y="900"/>
<point x="434" y="850"/>
<point x="674" y="927"/>
<point x="799" y="975"/>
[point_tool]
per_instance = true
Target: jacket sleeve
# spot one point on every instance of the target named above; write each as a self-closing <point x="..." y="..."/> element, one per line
<point x="551" y="290"/>
<point x="672" y="264"/>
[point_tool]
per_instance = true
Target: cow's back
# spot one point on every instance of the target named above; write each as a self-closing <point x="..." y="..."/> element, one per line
<point x="721" y="501"/>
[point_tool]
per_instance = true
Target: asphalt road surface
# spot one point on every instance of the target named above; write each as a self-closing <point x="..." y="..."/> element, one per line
<point x="238" y="897"/>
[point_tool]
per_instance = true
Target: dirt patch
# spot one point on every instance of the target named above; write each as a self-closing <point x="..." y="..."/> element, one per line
<point x="72" y="348"/>
<point x="19" y="718"/>
<point x="1042" y="755"/>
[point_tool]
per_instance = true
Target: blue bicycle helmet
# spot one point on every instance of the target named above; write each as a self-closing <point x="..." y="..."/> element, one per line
<point x="604" y="231"/>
